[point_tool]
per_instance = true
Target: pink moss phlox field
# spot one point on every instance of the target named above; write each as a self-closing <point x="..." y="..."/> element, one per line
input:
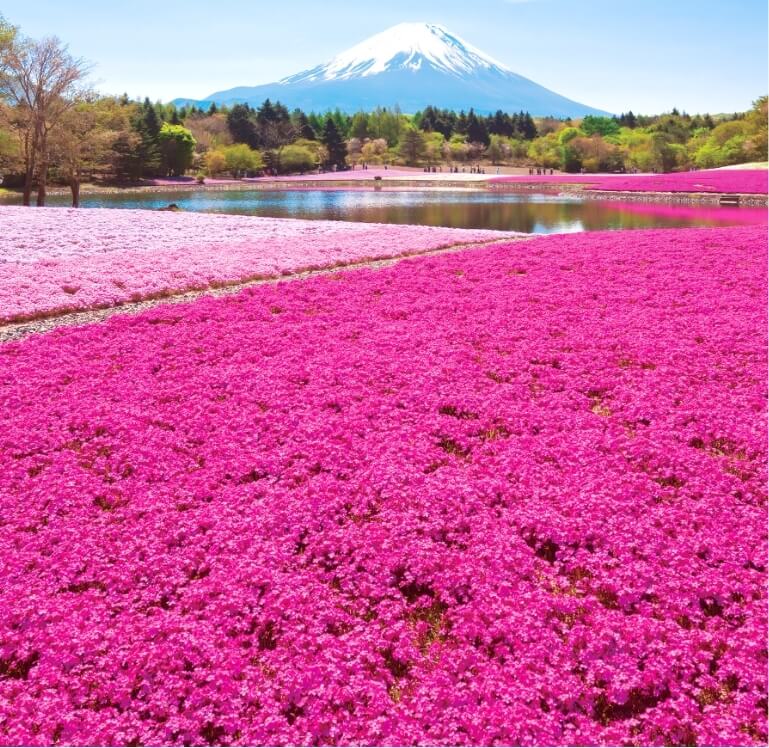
<point x="186" y="181"/>
<point x="737" y="181"/>
<point x="54" y="260"/>
<point x="512" y="495"/>
<point x="355" y="175"/>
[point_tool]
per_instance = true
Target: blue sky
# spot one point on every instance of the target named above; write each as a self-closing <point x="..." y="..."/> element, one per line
<point x="644" y="55"/>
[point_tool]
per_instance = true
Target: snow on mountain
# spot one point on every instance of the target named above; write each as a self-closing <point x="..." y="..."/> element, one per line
<point x="410" y="65"/>
<point x="407" y="46"/>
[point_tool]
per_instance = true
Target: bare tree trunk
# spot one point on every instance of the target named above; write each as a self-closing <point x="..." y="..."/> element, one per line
<point x="42" y="174"/>
<point x="27" y="194"/>
<point x="74" y="185"/>
<point x="41" y="185"/>
<point x="29" y="169"/>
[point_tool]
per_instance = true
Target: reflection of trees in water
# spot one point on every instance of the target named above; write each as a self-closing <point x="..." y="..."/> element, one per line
<point x="503" y="216"/>
<point x="528" y="217"/>
<point x="431" y="209"/>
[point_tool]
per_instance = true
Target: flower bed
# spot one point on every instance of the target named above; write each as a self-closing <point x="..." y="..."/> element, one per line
<point x="346" y="175"/>
<point x="748" y="181"/>
<point x="509" y="495"/>
<point x="186" y="181"/>
<point x="54" y="260"/>
<point x="393" y="174"/>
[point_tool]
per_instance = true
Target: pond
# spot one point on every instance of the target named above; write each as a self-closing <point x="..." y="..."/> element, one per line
<point x="530" y="213"/>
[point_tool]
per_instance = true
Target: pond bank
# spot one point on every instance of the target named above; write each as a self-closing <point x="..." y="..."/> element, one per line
<point x="703" y="188"/>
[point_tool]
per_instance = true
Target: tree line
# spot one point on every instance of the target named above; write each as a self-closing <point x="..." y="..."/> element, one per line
<point x="54" y="128"/>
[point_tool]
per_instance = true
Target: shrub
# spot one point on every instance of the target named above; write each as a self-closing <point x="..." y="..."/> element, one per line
<point x="295" y="158"/>
<point x="177" y="147"/>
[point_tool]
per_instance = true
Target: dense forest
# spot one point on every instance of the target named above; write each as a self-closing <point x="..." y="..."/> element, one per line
<point x="54" y="129"/>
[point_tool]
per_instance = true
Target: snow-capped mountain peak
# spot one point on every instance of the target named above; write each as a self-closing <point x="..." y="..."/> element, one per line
<point x="411" y="66"/>
<point x="407" y="46"/>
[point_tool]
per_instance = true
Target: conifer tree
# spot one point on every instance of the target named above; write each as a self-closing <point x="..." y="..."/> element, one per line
<point x="461" y="125"/>
<point x="359" y="126"/>
<point x="241" y="125"/>
<point x="476" y="130"/>
<point x="150" y="119"/>
<point x="335" y="147"/>
<point x="148" y="150"/>
<point x="412" y="147"/>
<point x="528" y="128"/>
<point x="301" y="125"/>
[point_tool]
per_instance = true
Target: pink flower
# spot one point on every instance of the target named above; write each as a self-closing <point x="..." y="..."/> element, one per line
<point x="514" y="494"/>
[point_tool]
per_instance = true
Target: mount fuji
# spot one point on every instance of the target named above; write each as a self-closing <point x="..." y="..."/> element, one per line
<point x="411" y="65"/>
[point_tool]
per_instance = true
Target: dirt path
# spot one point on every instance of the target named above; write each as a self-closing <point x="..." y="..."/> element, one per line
<point x="18" y="330"/>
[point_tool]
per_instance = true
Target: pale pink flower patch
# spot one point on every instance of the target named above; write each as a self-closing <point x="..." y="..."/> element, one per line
<point x="54" y="260"/>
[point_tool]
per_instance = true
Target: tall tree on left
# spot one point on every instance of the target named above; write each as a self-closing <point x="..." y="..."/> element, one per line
<point x="42" y="81"/>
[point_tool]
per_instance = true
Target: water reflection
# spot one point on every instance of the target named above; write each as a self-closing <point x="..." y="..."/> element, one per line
<point x="530" y="213"/>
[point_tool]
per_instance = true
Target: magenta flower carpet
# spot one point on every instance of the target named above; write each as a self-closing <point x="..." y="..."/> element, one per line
<point x="511" y="495"/>
<point x="735" y="181"/>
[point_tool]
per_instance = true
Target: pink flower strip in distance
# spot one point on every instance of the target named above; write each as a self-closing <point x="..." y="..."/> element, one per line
<point x="725" y="181"/>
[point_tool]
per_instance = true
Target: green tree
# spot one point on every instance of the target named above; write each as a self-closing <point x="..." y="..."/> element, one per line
<point x="567" y="134"/>
<point x="335" y="147"/>
<point x="9" y="147"/>
<point x="546" y="151"/>
<point x="177" y="148"/>
<point x="457" y="149"/>
<point x="316" y="122"/>
<point x="628" y="120"/>
<point x="342" y="122"/>
<point x="296" y="158"/>
<point x="756" y="134"/>
<point x="241" y="123"/>
<point x="476" y="130"/>
<point x="500" y="124"/>
<point x="412" y="146"/>
<point x="664" y="158"/>
<point x="434" y="143"/>
<point x="150" y="119"/>
<point x="496" y="150"/>
<point x="302" y="125"/>
<point x="387" y="124"/>
<point x="239" y="159"/>
<point x="359" y="126"/>
<point x="7" y="36"/>
<point x="274" y="126"/>
<point x="215" y="162"/>
<point x="147" y="126"/>
<point x="374" y="151"/>
<point x="526" y="126"/>
<point x="592" y="125"/>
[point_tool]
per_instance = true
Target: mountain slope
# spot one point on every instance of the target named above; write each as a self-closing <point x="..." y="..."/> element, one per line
<point x="411" y="65"/>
